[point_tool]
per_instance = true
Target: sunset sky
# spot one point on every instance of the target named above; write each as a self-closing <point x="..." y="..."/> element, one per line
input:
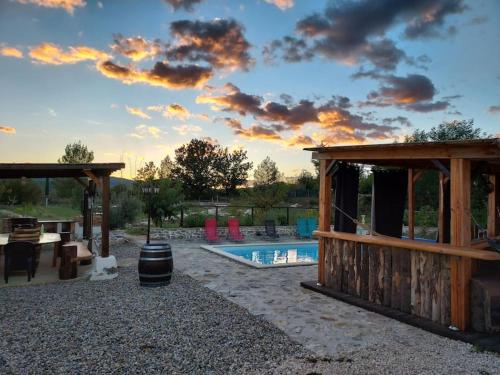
<point x="135" y="79"/>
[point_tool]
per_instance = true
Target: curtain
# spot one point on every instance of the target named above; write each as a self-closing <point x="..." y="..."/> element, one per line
<point x="388" y="201"/>
<point x="346" y="197"/>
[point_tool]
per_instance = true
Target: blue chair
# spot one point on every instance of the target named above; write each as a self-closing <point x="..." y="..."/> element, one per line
<point x="302" y="229"/>
<point x="312" y="225"/>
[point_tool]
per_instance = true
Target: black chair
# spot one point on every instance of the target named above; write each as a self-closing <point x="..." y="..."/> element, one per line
<point x="19" y="255"/>
<point x="270" y="227"/>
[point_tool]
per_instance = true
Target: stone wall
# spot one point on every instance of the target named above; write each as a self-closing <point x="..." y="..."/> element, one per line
<point x="256" y="232"/>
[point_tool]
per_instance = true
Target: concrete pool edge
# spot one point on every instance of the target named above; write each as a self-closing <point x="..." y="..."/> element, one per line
<point x="215" y="249"/>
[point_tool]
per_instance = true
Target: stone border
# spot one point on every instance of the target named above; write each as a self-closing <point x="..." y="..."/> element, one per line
<point x="217" y="250"/>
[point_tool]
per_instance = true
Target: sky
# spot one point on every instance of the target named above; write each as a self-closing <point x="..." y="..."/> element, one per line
<point x="134" y="80"/>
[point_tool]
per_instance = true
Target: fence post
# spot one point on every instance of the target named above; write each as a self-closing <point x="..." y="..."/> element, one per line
<point x="182" y="217"/>
<point x="252" y="217"/>
<point x="288" y="216"/>
<point x="216" y="214"/>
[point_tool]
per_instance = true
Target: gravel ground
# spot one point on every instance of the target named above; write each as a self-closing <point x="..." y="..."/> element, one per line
<point x="116" y="327"/>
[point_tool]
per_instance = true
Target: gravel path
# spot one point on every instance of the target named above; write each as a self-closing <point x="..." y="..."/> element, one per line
<point x="116" y="327"/>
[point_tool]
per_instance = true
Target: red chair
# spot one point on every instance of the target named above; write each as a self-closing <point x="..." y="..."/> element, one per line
<point x="234" y="230"/>
<point x="211" y="230"/>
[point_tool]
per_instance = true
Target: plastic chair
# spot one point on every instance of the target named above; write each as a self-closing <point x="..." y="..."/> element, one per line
<point x="302" y="229"/>
<point x="19" y="255"/>
<point x="211" y="234"/>
<point x="234" y="230"/>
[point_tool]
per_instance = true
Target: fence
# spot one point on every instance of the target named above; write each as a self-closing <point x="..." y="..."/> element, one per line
<point x="194" y="216"/>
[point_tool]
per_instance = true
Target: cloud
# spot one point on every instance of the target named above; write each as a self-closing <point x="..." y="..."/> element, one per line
<point x="162" y="75"/>
<point x="282" y="4"/>
<point x="187" y="129"/>
<point x="219" y="42"/>
<point x="68" y="5"/>
<point x="399" y="119"/>
<point x="7" y="129"/>
<point x="11" y="52"/>
<point x="135" y="48"/>
<point x="49" y="53"/>
<point x="275" y="119"/>
<point x="142" y="131"/>
<point x="177" y="111"/>
<point x="183" y="4"/>
<point x="138" y="112"/>
<point x="494" y="109"/>
<point x="355" y="31"/>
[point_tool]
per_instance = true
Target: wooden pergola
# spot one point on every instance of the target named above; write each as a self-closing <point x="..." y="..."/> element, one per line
<point x="430" y="280"/>
<point x="98" y="174"/>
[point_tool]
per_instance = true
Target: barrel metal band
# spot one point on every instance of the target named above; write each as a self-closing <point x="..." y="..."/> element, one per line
<point x="153" y="276"/>
<point x="154" y="259"/>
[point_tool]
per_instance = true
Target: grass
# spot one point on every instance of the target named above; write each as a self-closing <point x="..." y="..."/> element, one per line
<point x="41" y="212"/>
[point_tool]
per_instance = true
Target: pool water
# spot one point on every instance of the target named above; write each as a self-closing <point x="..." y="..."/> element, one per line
<point x="272" y="254"/>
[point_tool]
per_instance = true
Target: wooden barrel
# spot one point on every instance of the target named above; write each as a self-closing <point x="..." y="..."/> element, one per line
<point x="155" y="264"/>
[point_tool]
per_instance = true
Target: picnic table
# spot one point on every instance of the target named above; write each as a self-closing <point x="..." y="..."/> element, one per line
<point x="45" y="238"/>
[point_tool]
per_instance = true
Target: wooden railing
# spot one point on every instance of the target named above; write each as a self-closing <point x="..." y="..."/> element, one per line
<point x="468" y="252"/>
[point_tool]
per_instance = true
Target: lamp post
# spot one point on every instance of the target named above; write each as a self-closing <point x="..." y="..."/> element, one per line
<point x="149" y="190"/>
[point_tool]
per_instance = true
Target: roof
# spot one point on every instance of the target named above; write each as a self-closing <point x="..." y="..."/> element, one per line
<point x="417" y="155"/>
<point x="40" y="170"/>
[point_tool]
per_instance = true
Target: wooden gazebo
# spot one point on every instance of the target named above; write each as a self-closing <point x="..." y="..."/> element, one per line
<point x="98" y="175"/>
<point x="423" y="279"/>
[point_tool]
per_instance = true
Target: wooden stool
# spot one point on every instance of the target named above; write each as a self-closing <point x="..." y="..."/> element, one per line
<point x="68" y="268"/>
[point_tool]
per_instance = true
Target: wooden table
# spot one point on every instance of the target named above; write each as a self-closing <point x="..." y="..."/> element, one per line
<point x="46" y="238"/>
<point x="58" y="226"/>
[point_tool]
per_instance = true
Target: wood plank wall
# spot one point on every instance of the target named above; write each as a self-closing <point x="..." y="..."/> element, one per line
<point x="411" y="281"/>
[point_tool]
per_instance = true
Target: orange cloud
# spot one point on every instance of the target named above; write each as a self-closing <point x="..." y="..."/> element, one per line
<point x="135" y="48"/>
<point x="7" y="129"/>
<point x="138" y="112"/>
<point x="282" y="4"/>
<point x="187" y="129"/>
<point x="68" y="5"/>
<point x="142" y="131"/>
<point x="49" y="53"/>
<point x="162" y="75"/>
<point x="11" y="52"/>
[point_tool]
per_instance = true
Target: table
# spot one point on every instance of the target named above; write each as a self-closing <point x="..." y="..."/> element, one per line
<point x="58" y="226"/>
<point x="46" y="238"/>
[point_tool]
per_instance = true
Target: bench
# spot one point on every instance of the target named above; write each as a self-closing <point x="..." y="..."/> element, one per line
<point x="83" y="254"/>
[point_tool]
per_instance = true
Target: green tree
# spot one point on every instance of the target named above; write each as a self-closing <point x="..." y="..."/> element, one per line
<point x="68" y="188"/>
<point x="448" y="131"/>
<point x="147" y="173"/>
<point x="166" y="203"/>
<point x="76" y="153"/>
<point x="166" y="168"/>
<point x="267" y="173"/>
<point x="196" y="167"/>
<point x="232" y="168"/>
<point x="20" y="191"/>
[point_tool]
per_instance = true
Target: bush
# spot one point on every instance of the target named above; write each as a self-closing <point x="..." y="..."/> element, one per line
<point x="124" y="211"/>
<point x="195" y="220"/>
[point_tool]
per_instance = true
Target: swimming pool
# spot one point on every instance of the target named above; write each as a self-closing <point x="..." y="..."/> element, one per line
<point x="270" y="254"/>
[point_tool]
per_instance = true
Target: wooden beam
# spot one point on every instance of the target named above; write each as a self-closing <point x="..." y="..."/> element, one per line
<point x="441" y="223"/>
<point x="461" y="268"/>
<point x="411" y="203"/>
<point x="494" y="207"/>
<point x="331" y="169"/>
<point x="325" y="214"/>
<point x="80" y="182"/>
<point x="417" y="174"/>
<point x="386" y="241"/>
<point x="441" y="167"/>
<point x="105" y="217"/>
<point x="93" y="177"/>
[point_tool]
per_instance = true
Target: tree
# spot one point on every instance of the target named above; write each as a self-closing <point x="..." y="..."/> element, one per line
<point x="68" y="188"/>
<point x="75" y="153"/>
<point x="196" y="167"/>
<point x="20" y="191"/>
<point x="166" y="203"/>
<point x="147" y="173"/>
<point x="267" y="173"/>
<point x="448" y="131"/>
<point x="166" y="168"/>
<point x="232" y="169"/>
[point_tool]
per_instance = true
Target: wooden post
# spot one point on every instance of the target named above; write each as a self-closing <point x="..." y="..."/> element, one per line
<point x="461" y="267"/>
<point x="411" y="204"/>
<point x="105" y="217"/>
<point x="441" y="222"/>
<point x="325" y="214"/>
<point x="494" y="207"/>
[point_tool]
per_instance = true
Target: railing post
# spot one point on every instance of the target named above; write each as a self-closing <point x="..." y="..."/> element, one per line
<point x="252" y="217"/>
<point x="288" y="216"/>
<point x="182" y="217"/>
<point x="216" y="214"/>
